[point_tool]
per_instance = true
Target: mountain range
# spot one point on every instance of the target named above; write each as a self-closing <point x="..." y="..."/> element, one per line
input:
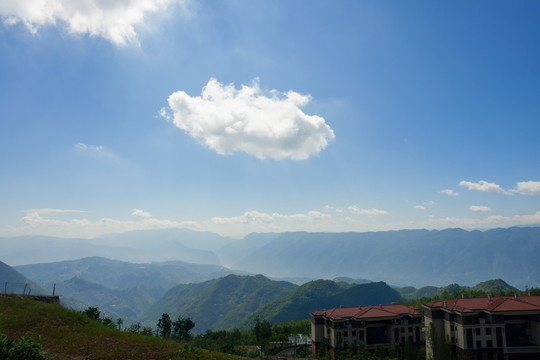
<point x="404" y="258"/>
<point x="221" y="303"/>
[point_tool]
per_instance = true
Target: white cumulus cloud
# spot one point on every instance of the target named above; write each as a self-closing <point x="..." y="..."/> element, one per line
<point x="449" y="192"/>
<point x="262" y="124"/>
<point x="420" y="207"/>
<point x="484" y="186"/>
<point x="479" y="208"/>
<point x="114" y="20"/>
<point x="530" y="188"/>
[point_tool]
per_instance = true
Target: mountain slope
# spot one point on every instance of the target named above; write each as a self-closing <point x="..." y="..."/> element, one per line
<point x="79" y="294"/>
<point x="323" y="294"/>
<point x="12" y="281"/>
<point x="219" y="304"/>
<point x="116" y="274"/>
<point x="490" y="287"/>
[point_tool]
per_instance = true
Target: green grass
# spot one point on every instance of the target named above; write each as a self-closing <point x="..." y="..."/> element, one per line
<point x="67" y="334"/>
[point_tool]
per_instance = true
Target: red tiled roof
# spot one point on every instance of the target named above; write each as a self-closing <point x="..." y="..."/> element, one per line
<point x="496" y="303"/>
<point x="366" y="312"/>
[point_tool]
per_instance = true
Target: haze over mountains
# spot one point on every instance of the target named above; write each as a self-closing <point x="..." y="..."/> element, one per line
<point x="405" y="257"/>
<point x="182" y="272"/>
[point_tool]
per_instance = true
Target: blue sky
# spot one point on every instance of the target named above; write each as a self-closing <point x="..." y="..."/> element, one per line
<point x="242" y="116"/>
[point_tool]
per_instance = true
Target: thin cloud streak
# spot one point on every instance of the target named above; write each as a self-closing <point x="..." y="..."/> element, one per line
<point x="44" y="222"/>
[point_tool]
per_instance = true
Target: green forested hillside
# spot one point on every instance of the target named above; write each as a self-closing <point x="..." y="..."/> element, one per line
<point x="79" y="294"/>
<point x="323" y="294"/>
<point x="489" y="287"/>
<point x="221" y="303"/>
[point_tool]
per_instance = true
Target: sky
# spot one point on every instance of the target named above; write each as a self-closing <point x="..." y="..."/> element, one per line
<point x="248" y="116"/>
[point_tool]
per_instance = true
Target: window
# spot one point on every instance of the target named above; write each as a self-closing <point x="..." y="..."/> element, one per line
<point x="478" y="344"/>
<point x="490" y="343"/>
<point x="469" y="339"/>
<point x="410" y="328"/>
<point x="353" y="333"/>
<point x="453" y="340"/>
<point x="345" y="334"/>
<point x="477" y="331"/>
<point x="488" y="331"/>
<point x="452" y="328"/>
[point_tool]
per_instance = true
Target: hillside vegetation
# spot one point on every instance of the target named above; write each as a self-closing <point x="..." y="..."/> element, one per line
<point x="488" y="287"/>
<point x="323" y="294"/>
<point x="67" y="334"/>
<point x="221" y="303"/>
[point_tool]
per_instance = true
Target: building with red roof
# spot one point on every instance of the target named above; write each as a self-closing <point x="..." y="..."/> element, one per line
<point x="505" y="327"/>
<point x="368" y="325"/>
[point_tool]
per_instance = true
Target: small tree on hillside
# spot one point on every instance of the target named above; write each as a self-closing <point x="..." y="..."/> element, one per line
<point x="92" y="312"/>
<point x="182" y="328"/>
<point x="164" y="326"/>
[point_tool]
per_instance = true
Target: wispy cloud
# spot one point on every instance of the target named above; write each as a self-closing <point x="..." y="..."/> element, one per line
<point x="256" y="217"/>
<point x="357" y="210"/>
<point x="531" y="188"/>
<point x="114" y="20"/>
<point x="420" y="207"/>
<point x="53" y="211"/>
<point x="479" y="208"/>
<point x="44" y="221"/>
<point x="141" y="213"/>
<point x="71" y="223"/>
<point x="89" y="148"/>
<point x="484" y="186"/>
<point x="449" y="192"/>
<point x="262" y="124"/>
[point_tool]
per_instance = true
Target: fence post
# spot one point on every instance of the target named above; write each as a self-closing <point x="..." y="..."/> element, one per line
<point x="53" y="289"/>
<point x="5" y="288"/>
<point x="24" y="291"/>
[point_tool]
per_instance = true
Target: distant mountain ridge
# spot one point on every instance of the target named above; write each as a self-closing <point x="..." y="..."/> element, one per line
<point x="403" y="257"/>
<point x="117" y="274"/>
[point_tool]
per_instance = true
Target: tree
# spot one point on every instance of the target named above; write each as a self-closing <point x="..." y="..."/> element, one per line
<point x="92" y="312"/>
<point x="107" y="321"/>
<point x="263" y="332"/>
<point x="164" y="326"/>
<point x="119" y="322"/>
<point x="182" y="328"/>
